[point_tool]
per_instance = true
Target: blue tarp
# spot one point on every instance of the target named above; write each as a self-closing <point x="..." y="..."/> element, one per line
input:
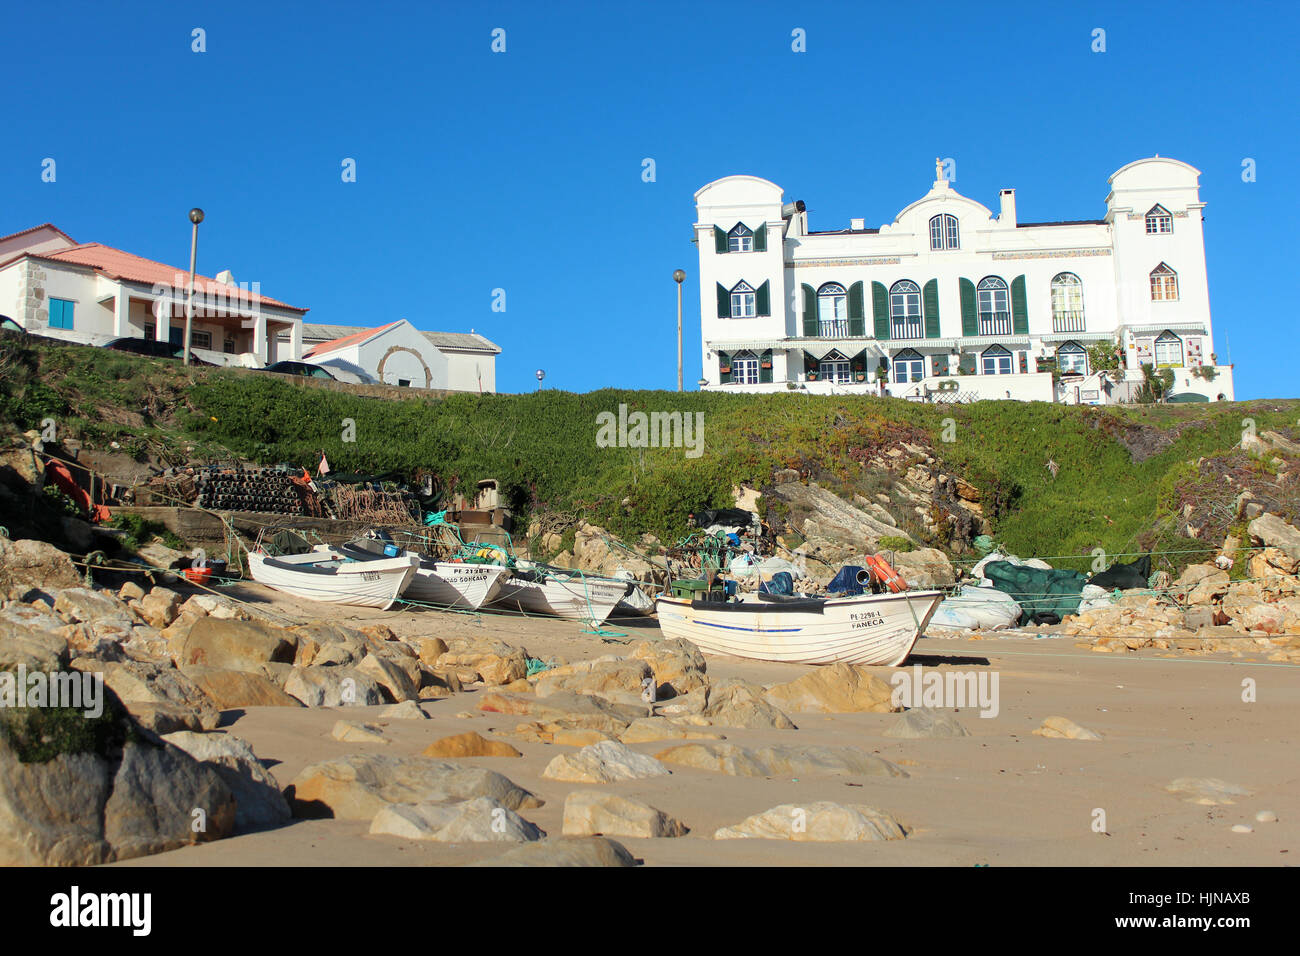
<point x="846" y="581"/>
<point x="781" y="583"/>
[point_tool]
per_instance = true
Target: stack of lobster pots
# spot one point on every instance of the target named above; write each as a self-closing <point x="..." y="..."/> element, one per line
<point x="270" y="490"/>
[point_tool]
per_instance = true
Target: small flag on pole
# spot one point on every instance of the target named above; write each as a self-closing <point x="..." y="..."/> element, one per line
<point x="324" y="468"/>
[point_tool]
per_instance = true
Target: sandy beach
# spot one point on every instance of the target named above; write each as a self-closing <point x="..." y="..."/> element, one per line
<point x="1001" y="796"/>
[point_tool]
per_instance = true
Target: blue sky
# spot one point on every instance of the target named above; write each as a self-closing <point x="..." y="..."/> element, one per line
<point x="522" y="170"/>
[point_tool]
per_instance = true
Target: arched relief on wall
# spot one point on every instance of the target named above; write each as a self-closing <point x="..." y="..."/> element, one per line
<point x="428" y="375"/>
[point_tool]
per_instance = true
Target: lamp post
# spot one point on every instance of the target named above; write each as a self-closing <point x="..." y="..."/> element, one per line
<point x="679" y="276"/>
<point x="540" y="375"/>
<point x="196" y="217"/>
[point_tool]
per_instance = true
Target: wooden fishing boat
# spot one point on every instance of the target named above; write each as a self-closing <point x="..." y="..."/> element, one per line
<point x="465" y="585"/>
<point x="874" y="629"/>
<point x="567" y="594"/>
<point x="328" y="577"/>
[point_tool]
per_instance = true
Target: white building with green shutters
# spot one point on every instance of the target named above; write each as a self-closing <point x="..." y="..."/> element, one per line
<point x="950" y="301"/>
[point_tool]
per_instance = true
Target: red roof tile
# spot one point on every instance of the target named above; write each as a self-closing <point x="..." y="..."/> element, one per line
<point x="44" y="225"/>
<point x="345" y="341"/>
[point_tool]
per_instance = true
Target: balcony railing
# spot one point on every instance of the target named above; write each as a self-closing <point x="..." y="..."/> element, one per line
<point x="995" y="323"/>
<point x="1067" y="321"/>
<point x="833" y="328"/>
<point x="910" y="329"/>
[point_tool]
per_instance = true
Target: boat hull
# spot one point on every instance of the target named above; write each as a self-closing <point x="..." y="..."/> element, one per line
<point x="315" y="577"/>
<point x="877" y="629"/>
<point x="457" y="585"/>
<point x="575" y="599"/>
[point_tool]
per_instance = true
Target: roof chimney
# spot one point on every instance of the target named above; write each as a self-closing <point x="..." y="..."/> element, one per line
<point x="1008" y="215"/>
<point x="225" y="277"/>
<point x="857" y="225"/>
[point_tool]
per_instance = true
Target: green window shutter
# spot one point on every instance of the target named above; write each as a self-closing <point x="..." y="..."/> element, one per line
<point x="880" y="309"/>
<point x="760" y="238"/>
<point x="967" y="363"/>
<point x="762" y="300"/>
<point x="765" y="367"/>
<point x="810" y="364"/>
<point x="1019" y="307"/>
<point x="857" y="310"/>
<point x="719" y="240"/>
<point x="858" y="363"/>
<point x="724" y="302"/>
<point x="809" y="311"/>
<point x="970" y="322"/>
<point x="724" y="368"/>
<point x="930" y="306"/>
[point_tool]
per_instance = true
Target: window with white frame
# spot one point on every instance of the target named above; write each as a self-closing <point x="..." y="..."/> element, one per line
<point x="743" y="305"/>
<point x="832" y="311"/>
<point x="908" y="366"/>
<point x="1071" y="358"/>
<point x="994" y="306"/>
<point x="905" y="310"/>
<point x="740" y="239"/>
<point x="834" y="368"/>
<point x="996" y="361"/>
<point x="1067" y="303"/>
<point x="943" y="232"/>
<point x="1169" y="350"/>
<point x="200" y="340"/>
<point x="744" y="368"/>
<point x="1159" y="221"/>
<point x="1164" y="284"/>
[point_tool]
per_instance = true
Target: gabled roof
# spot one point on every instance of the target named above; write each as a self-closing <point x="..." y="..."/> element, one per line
<point x="346" y="341"/>
<point x="126" y="266"/>
<point x="44" y="225"/>
<point x="469" y="341"/>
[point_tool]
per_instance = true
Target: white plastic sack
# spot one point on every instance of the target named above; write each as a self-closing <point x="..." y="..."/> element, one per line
<point x="978" y="608"/>
<point x="978" y="570"/>
<point x="1093" y="597"/>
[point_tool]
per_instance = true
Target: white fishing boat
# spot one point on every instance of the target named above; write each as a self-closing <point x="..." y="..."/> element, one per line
<point x="465" y="585"/>
<point x="328" y="577"/>
<point x="570" y="595"/>
<point x="875" y="629"/>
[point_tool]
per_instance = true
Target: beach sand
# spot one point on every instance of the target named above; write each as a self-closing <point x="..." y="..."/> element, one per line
<point x="1001" y="796"/>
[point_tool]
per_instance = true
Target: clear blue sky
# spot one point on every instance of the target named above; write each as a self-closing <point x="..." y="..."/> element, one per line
<point x="522" y="170"/>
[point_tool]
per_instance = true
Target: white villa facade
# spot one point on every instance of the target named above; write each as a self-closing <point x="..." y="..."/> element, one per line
<point x="400" y="354"/>
<point x="952" y="302"/>
<point x="91" y="294"/>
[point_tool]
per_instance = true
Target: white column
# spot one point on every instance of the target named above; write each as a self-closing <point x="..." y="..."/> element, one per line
<point x="259" y="336"/>
<point x="295" y="340"/>
<point x="121" y="313"/>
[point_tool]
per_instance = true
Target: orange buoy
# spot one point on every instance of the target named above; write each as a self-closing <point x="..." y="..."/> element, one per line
<point x="884" y="574"/>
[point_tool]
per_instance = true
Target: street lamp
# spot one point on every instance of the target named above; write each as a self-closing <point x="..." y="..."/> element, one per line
<point x="196" y="217"/>
<point x="679" y="277"/>
<point x="540" y="375"/>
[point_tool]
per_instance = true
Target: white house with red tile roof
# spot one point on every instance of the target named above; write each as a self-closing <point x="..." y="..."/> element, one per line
<point x="400" y="354"/>
<point x="92" y="293"/>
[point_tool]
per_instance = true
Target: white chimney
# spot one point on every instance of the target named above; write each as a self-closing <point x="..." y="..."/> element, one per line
<point x="225" y="277"/>
<point x="857" y="225"/>
<point x="1008" y="215"/>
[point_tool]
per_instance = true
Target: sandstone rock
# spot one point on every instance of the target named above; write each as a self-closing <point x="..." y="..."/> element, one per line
<point x="323" y="644"/>
<point x="432" y="648"/>
<point x="357" y="786"/>
<point x="573" y="711"/>
<point x="258" y="800"/>
<point x="35" y="564"/>
<point x="85" y="605"/>
<point x="469" y="745"/>
<point x="232" y="689"/>
<point x="736" y="703"/>
<point x="834" y="689"/>
<point x="34" y="649"/>
<point x="236" y="645"/>
<point x="678" y="666"/>
<point x="604" y="762"/>
<point x="494" y="662"/>
<point x="739" y="761"/>
<point x="1208" y="791"/>
<point x="593" y="812"/>
<point x="563" y="737"/>
<point x="356" y="732"/>
<point x="333" y="687"/>
<point x="158" y="694"/>
<point x="388" y="675"/>
<point x="480" y="820"/>
<point x="650" y="729"/>
<point x="406" y="710"/>
<point x="1273" y="532"/>
<point x="820" y="822"/>
<point x="130" y="591"/>
<point x="160" y="607"/>
<point x="817" y="513"/>
<point x="926" y="722"/>
<point x="603" y="676"/>
<point x="1066" y="729"/>
<point x="568" y="851"/>
<point x="924" y="567"/>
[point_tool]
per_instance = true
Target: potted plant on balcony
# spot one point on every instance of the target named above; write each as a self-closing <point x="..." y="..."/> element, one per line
<point x="859" y="376"/>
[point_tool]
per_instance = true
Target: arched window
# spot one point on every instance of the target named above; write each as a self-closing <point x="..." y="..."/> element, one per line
<point x="744" y="368"/>
<point x="1067" y="303"/>
<point x="943" y="232"/>
<point x="1159" y="221"/>
<point x="1169" y="350"/>
<point x="905" y="310"/>
<point x="834" y="368"/>
<point x="1071" y="358"/>
<point x="1164" y="284"/>
<point x="996" y="361"/>
<point x="908" y="366"/>
<point x="994" y="306"/>
<point x="740" y="239"/>
<point x="742" y="301"/>
<point x="832" y="311"/>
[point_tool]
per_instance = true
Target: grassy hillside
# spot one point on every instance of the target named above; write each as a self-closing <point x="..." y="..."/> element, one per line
<point x="1124" y="474"/>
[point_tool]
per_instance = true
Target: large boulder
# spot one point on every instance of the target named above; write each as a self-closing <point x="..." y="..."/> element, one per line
<point x="492" y="661"/>
<point x="258" y="800"/>
<point x="820" y="822"/>
<point x="469" y="744"/>
<point x="838" y="526"/>
<point x="158" y="695"/>
<point x="594" y="812"/>
<point x="81" y="791"/>
<point x="737" y="703"/>
<point x="27" y="564"/>
<point x="235" y="689"/>
<point x="567" y="710"/>
<point x="924" y="568"/>
<point x="81" y="605"/>
<point x="737" y="761"/>
<point x="605" y="762"/>
<point x="610" y="677"/>
<point x="31" y="647"/>
<point x="834" y="689"/>
<point x="678" y="666"/>
<point x="395" y="680"/>
<point x="333" y="687"/>
<point x="566" y="851"/>
<point x="479" y="820"/>
<point x="1273" y="532"/>
<point x="236" y="645"/>
<point x="357" y="786"/>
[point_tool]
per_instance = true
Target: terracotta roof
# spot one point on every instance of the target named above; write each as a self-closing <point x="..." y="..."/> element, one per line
<point x="44" y="225"/>
<point x="117" y="264"/>
<point x="354" y="339"/>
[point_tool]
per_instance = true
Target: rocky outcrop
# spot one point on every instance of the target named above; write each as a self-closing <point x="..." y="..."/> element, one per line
<point x="594" y="812"/>
<point x="737" y="761"/>
<point x="834" y="689"/>
<point x="604" y="762"/>
<point x="258" y="800"/>
<point x="820" y="822"/>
